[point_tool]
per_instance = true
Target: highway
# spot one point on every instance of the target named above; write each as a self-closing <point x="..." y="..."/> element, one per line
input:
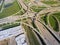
<point x="45" y="33"/>
<point x="51" y="9"/>
<point x="22" y="4"/>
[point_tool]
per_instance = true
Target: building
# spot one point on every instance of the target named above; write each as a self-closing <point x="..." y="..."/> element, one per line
<point x="8" y="41"/>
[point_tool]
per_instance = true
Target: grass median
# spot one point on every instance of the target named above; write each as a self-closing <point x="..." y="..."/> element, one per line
<point x="14" y="8"/>
<point x="44" y="18"/>
<point x="37" y="8"/>
<point x="57" y="14"/>
<point x="54" y="24"/>
<point x="31" y="36"/>
<point x="9" y="25"/>
<point x="51" y="3"/>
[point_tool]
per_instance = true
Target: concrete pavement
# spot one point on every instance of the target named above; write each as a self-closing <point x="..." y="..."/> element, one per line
<point x="49" y="38"/>
<point x="22" y="4"/>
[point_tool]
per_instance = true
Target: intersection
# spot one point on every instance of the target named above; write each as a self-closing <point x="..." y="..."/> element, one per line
<point x="47" y="37"/>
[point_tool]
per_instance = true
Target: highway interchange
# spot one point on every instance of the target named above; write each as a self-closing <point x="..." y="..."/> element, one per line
<point x="44" y="33"/>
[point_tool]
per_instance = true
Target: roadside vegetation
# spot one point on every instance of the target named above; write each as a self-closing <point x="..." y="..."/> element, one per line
<point x="44" y="19"/>
<point x="14" y="8"/>
<point x="37" y="8"/>
<point x="33" y="24"/>
<point x="22" y="11"/>
<point x="52" y="3"/>
<point x="53" y="22"/>
<point x="30" y="22"/>
<point x="0" y="8"/>
<point x="57" y="14"/>
<point x="26" y="1"/>
<point x="31" y="36"/>
<point x="8" y="25"/>
<point x="18" y="20"/>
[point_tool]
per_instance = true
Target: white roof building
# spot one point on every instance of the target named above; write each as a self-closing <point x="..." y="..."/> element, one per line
<point x="9" y="35"/>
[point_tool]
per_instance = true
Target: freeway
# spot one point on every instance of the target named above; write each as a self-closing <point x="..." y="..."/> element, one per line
<point x="57" y="34"/>
<point x="15" y="17"/>
<point x="49" y="27"/>
<point x="27" y="14"/>
<point x="49" y="38"/>
<point x="51" y="9"/>
<point x="41" y="38"/>
<point x="22" y="4"/>
<point x="44" y="33"/>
